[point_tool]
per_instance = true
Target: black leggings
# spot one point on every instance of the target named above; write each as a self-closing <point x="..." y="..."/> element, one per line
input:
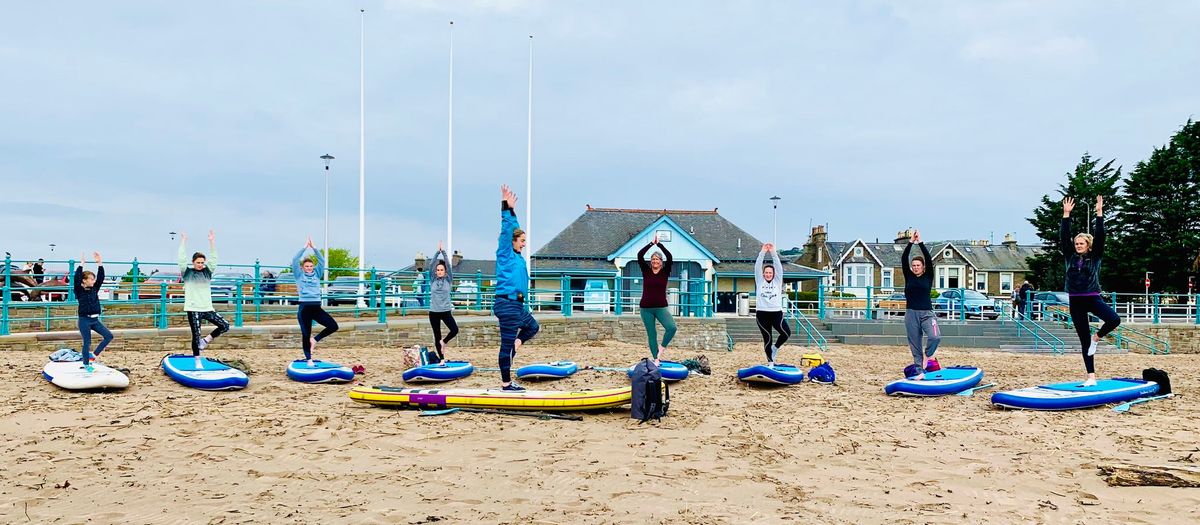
<point x="308" y="313"/>
<point x="1081" y="306"/>
<point x="447" y="318"/>
<point x="768" y="321"/>
<point x="215" y="318"/>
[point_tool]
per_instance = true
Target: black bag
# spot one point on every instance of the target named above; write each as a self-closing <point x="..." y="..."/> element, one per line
<point x="651" y="397"/>
<point x="1160" y="377"/>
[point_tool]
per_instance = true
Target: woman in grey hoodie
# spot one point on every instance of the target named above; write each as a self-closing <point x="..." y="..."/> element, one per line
<point x="441" y="309"/>
<point x="308" y="287"/>
<point x="769" y="310"/>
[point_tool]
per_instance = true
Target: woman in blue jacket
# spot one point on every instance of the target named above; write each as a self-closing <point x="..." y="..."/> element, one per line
<point x="517" y="325"/>
<point x="308" y="285"/>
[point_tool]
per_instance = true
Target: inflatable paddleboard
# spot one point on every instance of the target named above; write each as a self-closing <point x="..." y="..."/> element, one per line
<point x="436" y="372"/>
<point x="319" y="372"/>
<point x="210" y="375"/>
<point x="775" y="374"/>
<point x="946" y="381"/>
<point x="527" y="400"/>
<point x="670" y="370"/>
<point x="557" y="370"/>
<point x="71" y="375"/>
<point x="1069" y="396"/>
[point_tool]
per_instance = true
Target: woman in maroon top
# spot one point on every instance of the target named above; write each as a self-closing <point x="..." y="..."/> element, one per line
<point x="654" y="297"/>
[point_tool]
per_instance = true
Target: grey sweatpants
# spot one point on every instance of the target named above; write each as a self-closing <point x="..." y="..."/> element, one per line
<point x="917" y="322"/>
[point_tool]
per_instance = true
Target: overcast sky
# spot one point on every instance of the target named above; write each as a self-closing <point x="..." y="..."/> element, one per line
<point x="125" y="121"/>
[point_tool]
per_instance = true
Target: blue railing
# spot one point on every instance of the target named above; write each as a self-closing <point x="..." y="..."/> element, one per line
<point x="147" y="295"/>
<point x="1124" y="336"/>
<point x="1038" y="335"/>
<point x="813" y="337"/>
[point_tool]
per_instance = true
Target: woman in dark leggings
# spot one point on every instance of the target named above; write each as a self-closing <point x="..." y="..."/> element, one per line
<point x="308" y="287"/>
<point x="1083" y="255"/>
<point x="655" y="276"/>
<point x="441" y="309"/>
<point x="768" y="282"/>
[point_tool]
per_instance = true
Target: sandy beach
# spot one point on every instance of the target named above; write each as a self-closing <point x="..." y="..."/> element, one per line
<point x="286" y="452"/>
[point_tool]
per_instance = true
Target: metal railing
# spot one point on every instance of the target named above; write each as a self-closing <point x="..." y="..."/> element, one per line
<point x="1123" y="336"/>
<point x="873" y="302"/>
<point x="813" y="337"/>
<point x="1038" y="335"/>
<point x="150" y="295"/>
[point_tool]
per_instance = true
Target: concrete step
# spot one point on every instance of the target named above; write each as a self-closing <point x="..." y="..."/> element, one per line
<point x="1043" y="349"/>
<point x="892" y="340"/>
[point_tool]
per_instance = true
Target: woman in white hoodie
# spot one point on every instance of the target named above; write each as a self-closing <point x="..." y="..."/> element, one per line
<point x="768" y="283"/>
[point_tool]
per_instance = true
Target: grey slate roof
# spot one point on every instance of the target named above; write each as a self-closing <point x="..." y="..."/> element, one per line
<point x="789" y="269"/>
<point x="601" y="231"/>
<point x="1000" y="257"/>
<point x="465" y="267"/>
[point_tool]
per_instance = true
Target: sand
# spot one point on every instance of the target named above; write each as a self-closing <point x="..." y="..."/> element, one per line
<point x="285" y="452"/>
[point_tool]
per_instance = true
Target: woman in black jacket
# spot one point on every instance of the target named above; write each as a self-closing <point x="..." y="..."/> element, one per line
<point x="1083" y="255"/>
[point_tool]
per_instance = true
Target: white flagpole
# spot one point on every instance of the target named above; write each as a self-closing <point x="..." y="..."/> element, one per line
<point x="450" y="162"/>
<point x="362" y="149"/>
<point x="529" y="172"/>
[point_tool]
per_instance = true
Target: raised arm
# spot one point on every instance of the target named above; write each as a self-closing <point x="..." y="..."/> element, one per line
<point x="667" y="258"/>
<point x="211" y="261"/>
<point x="904" y="261"/>
<point x="183" y="254"/>
<point x="1098" y="239"/>
<point x="929" y="264"/>
<point x="508" y="224"/>
<point x="99" y="270"/>
<point x="1064" y="228"/>
<point x="296" y="268"/>
<point x="642" y="257"/>
<point x="78" y="280"/>
<point x="758" y="263"/>
<point x="778" y="265"/>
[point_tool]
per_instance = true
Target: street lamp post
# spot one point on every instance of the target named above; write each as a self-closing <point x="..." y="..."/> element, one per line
<point x="52" y="245"/>
<point x="172" y="234"/>
<point x="775" y="219"/>
<point x="325" y="267"/>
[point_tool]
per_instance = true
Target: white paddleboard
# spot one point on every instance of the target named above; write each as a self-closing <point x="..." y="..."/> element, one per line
<point x="71" y="375"/>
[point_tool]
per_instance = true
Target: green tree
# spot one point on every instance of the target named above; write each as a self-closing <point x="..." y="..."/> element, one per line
<point x="341" y="263"/>
<point x="1160" y="217"/>
<point x="1089" y="179"/>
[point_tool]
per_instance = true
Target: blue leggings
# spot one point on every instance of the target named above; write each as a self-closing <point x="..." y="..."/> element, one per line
<point x="86" y="326"/>
<point x="515" y="323"/>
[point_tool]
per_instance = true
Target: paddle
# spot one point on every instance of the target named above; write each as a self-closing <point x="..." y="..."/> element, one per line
<point x="970" y="391"/>
<point x="539" y="415"/>
<point x="1124" y="407"/>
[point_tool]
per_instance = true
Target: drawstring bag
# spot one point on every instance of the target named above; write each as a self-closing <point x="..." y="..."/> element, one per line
<point x="911" y="371"/>
<point x="811" y="360"/>
<point x="822" y="374"/>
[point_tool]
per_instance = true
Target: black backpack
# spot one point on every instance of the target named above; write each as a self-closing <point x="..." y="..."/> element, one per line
<point x="651" y="397"/>
<point x="1160" y="377"/>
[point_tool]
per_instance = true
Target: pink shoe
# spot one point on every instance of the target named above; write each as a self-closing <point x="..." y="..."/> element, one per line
<point x="932" y="365"/>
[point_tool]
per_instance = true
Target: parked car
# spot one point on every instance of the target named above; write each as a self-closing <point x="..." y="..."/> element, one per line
<point x="343" y="290"/>
<point x="977" y="305"/>
<point x="1042" y="301"/>
<point x="893" y="304"/>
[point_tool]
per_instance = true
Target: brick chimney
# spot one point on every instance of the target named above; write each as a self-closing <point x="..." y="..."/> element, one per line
<point x="902" y="236"/>
<point x="814" y="250"/>
<point x="1010" y="241"/>
<point x="419" y="262"/>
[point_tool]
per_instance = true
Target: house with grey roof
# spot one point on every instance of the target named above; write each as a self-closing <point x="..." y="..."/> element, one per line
<point x="714" y="259"/>
<point x="994" y="270"/>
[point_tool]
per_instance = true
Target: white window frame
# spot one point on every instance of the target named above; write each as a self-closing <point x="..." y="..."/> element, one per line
<point x="942" y="276"/>
<point x="981" y="278"/>
<point x="1009" y="289"/>
<point x="887" y="278"/>
<point x="858" y="251"/>
<point x="849" y="274"/>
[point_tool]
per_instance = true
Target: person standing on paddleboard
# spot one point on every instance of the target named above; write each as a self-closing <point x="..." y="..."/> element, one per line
<point x="441" y="309"/>
<point x="197" y="293"/>
<point x="919" y="319"/>
<point x="653" y="306"/>
<point x="517" y="325"/>
<point x="768" y="310"/>
<point x="308" y="287"/>
<point x="1083" y="255"/>
<point x="87" y="294"/>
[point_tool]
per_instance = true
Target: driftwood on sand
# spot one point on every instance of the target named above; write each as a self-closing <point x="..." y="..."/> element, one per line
<point x="1127" y="475"/>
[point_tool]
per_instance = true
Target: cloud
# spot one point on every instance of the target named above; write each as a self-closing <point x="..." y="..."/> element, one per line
<point x="1056" y="50"/>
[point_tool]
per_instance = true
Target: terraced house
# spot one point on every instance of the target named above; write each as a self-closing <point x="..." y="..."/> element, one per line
<point x="994" y="270"/>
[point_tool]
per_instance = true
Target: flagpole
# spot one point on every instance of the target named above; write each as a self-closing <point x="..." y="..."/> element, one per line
<point x="362" y="149"/>
<point x="450" y="162"/>
<point x="529" y="171"/>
